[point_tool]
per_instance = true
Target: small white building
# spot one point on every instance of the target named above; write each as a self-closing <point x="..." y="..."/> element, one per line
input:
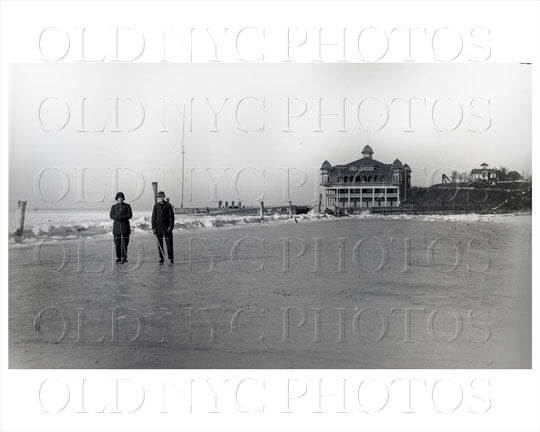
<point x="485" y="173"/>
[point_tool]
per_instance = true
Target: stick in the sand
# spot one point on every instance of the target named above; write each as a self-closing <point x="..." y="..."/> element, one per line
<point x="261" y="203"/>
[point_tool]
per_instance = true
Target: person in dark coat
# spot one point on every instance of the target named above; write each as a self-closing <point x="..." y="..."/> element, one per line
<point x="121" y="214"/>
<point x="162" y="226"/>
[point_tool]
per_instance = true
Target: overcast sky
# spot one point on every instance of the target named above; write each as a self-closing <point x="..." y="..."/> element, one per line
<point x="497" y="132"/>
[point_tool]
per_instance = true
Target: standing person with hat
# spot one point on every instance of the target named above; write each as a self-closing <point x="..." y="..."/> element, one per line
<point x="121" y="214"/>
<point x="162" y="226"/>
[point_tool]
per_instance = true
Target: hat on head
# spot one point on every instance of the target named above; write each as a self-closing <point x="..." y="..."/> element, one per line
<point x="161" y="194"/>
<point x="120" y="194"/>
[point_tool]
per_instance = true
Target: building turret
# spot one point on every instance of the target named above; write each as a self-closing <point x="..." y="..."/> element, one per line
<point x="325" y="170"/>
<point x="367" y="152"/>
<point x="326" y="165"/>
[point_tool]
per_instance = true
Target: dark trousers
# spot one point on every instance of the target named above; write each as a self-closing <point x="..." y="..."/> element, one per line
<point x="168" y="242"/>
<point x="121" y="244"/>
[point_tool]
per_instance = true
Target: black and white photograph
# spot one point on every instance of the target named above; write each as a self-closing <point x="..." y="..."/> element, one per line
<point x="306" y="215"/>
<point x="270" y="216"/>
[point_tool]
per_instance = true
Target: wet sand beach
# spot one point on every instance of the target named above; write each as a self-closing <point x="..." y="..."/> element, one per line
<point x="238" y="297"/>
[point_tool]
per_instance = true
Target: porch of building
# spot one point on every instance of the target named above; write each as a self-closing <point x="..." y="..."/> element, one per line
<point x="363" y="197"/>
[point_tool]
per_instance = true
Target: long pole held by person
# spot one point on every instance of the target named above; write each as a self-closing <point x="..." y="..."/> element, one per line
<point x="160" y="248"/>
<point x="122" y="247"/>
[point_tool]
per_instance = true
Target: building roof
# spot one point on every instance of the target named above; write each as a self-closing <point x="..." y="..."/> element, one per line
<point x="365" y="161"/>
<point x="513" y="175"/>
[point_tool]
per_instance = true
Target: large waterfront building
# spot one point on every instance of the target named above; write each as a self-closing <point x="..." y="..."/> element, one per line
<point x="365" y="182"/>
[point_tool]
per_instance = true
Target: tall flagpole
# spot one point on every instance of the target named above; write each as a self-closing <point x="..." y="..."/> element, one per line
<point x="183" y="154"/>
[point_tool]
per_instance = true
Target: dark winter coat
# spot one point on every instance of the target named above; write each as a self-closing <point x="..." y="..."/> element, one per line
<point x="162" y="217"/>
<point x="121" y="214"/>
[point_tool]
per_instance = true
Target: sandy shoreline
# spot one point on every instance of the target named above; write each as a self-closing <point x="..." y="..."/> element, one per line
<point x="207" y="310"/>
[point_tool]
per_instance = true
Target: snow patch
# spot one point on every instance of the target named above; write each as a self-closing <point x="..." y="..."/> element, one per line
<point x="72" y="225"/>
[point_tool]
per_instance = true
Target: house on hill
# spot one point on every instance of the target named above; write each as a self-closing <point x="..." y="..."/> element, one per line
<point x="493" y="174"/>
<point x="485" y="173"/>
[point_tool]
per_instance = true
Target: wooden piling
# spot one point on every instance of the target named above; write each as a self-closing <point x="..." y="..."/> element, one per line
<point x="21" y="209"/>
<point x="261" y="208"/>
<point x="290" y="209"/>
<point x="154" y="188"/>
